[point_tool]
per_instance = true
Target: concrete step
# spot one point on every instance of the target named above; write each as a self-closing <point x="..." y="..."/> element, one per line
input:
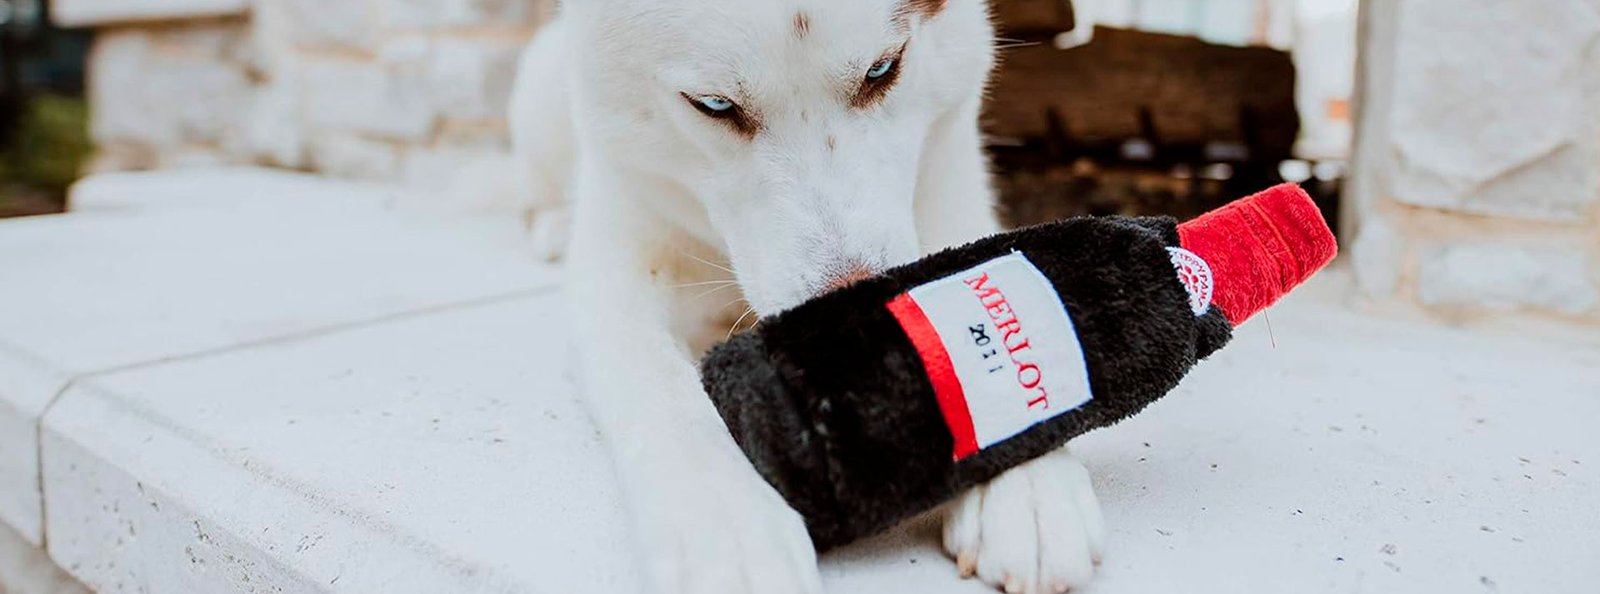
<point x="296" y="388"/>
<point x="166" y="266"/>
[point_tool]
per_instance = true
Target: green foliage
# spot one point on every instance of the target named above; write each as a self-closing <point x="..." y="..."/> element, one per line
<point x="51" y="145"/>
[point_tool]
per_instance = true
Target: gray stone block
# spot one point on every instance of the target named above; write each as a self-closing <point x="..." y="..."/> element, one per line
<point x="1494" y="107"/>
<point x="1506" y="276"/>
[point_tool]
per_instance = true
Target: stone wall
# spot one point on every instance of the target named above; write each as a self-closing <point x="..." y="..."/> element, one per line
<point x="1477" y="187"/>
<point x="1476" y="179"/>
<point x="374" y="89"/>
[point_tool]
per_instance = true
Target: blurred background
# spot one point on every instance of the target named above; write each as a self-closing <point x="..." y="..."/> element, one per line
<point x="1460" y="164"/>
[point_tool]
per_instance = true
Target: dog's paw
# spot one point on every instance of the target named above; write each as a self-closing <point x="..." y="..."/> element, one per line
<point x="549" y="229"/>
<point x="728" y="532"/>
<point x="1036" y="529"/>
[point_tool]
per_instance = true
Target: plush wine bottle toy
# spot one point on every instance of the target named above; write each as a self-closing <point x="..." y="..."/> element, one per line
<point x="879" y="401"/>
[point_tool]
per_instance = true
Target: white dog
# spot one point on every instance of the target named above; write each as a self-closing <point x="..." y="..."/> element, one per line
<point x="762" y="151"/>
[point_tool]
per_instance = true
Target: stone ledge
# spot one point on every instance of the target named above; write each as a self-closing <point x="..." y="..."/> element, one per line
<point x="448" y="453"/>
<point x="442" y="453"/>
<point x="160" y="266"/>
<point x="24" y="569"/>
<point x="95" y="13"/>
<point x="442" y="448"/>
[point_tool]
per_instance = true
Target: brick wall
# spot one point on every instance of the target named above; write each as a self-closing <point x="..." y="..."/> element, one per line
<point x="375" y="89"/>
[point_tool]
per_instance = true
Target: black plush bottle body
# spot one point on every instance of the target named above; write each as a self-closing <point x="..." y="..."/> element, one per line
<point x="834" y="405"/>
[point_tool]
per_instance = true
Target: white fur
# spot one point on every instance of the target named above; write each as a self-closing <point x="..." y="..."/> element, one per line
<point x="674" y="216"/>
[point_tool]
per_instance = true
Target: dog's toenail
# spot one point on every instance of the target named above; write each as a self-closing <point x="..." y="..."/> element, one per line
<point x="1013" y="585"/>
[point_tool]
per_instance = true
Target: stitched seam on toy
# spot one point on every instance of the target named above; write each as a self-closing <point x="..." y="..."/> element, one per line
<point x="936" y="365"/>
<point x="1283" y="247"/>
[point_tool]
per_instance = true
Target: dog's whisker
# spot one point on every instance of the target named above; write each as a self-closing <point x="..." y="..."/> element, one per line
<point x="735" y="326"/>
<point x="1006" y="46"/>
<point x="704" y="283"/>
<point x="725" y="305"/>
<point x="709" y="263"/>
<point x="715" y="289"/>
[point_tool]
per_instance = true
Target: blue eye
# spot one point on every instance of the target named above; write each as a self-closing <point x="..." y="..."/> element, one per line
<point x="714" y="103"/>
<point x="880" y="69"/>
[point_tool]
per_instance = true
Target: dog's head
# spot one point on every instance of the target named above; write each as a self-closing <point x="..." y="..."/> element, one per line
<point x="798" y="126"/>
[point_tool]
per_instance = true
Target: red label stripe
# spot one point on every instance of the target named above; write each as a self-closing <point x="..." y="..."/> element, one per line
<point x="941" y="373"/>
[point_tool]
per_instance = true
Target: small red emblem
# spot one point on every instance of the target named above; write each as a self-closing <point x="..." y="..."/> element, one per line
<point x="1196" y="277"/>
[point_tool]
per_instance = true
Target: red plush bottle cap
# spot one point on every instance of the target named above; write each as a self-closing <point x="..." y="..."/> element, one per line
<point x="1260" y="248"/>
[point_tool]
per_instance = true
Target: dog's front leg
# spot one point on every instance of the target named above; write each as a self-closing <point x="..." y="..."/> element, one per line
<point x="1036" y="528"/>
<point x="706" y="522"/>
